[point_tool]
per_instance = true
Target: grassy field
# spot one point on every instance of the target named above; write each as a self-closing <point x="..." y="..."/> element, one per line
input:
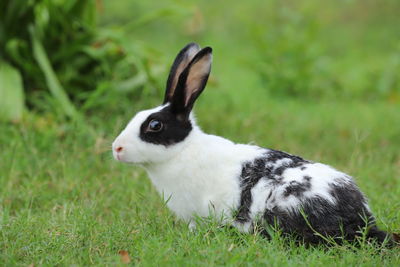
<point x="64" y="201"/>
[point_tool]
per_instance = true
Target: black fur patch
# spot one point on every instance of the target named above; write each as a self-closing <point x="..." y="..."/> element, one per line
<point x="175" y="128"/>
<point x="251" y="173"/>
<point x="344" y="219"/>
<point x="275" y="155"/>
<point x="297" y="189"/>
<point x="262" y="168"/>
<point x="295" y="161"/>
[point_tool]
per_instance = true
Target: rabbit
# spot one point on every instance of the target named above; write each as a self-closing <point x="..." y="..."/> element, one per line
<point x="246" y="186"/>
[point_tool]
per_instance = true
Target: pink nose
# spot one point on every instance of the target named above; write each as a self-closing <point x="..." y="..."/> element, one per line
<point x="119" y="149"/>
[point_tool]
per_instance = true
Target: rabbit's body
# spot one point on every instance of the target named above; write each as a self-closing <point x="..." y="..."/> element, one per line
<point x="247" y="185"/>
<point x="203" y="178"/>
<point x="244" y="185"/>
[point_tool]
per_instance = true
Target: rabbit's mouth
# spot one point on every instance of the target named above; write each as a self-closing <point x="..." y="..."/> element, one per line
<point x="118" y="155"/>
<point x="121" y="158"/>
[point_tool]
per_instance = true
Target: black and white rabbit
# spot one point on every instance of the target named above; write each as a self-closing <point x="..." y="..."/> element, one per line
<point x="243" y="184"/>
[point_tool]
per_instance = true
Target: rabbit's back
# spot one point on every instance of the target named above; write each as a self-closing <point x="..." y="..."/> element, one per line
<point x="301" y="197"/>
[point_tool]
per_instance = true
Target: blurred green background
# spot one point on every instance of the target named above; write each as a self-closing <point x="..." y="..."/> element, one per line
<point x="63" y="56"/>
<point x="320" y="79"/>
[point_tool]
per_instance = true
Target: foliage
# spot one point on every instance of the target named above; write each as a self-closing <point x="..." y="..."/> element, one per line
<point x="11" y="93"/>
<point x="291" y="49"/>
<point x="298" y="56"/>
<point x="292" y="61"/>
<point x="56" y="47"/>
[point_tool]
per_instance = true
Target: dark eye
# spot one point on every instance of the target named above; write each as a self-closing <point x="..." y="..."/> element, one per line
<point x="155" y="126"/>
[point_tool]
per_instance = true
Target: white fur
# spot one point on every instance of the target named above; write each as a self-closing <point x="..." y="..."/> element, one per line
<point x="259" y="194"/>
<point x="196" y="176"/>
<point x="203" y="176"/>
<point x="322" y="175"/>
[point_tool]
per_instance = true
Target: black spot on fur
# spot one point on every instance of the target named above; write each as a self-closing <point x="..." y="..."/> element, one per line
<point x="175" y="128"/>
<point x="275" y="155"/>
<point x="293" y="161"/>
<point x="269" y="195"/>
<point x="297" y="189"/>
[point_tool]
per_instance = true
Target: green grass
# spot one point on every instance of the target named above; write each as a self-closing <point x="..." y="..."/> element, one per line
<point x="65" y="201"/>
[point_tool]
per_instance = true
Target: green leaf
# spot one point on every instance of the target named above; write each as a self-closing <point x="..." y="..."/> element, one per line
<point x="52" y="81"/>
<point x="11" y="93"/>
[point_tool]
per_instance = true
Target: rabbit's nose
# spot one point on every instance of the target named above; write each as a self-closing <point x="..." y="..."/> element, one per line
<point x="119" y="149"/>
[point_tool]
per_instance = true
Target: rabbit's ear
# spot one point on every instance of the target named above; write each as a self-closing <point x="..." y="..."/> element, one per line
<point x="182" y="60"/>
<point x="192" y="82"/>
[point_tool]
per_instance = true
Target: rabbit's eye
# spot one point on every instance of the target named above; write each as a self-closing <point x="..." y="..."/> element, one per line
<point x="155" y="126"/>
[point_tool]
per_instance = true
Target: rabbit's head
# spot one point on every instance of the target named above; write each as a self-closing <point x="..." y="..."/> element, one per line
<point x="157" y="134"/>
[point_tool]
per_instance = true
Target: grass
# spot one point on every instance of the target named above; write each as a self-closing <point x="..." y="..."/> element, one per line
<point x="64" y="201"/>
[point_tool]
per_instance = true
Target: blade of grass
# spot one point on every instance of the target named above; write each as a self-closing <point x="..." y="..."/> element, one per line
<point x="52" y="81"/>
<point x="11" y="93"/>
